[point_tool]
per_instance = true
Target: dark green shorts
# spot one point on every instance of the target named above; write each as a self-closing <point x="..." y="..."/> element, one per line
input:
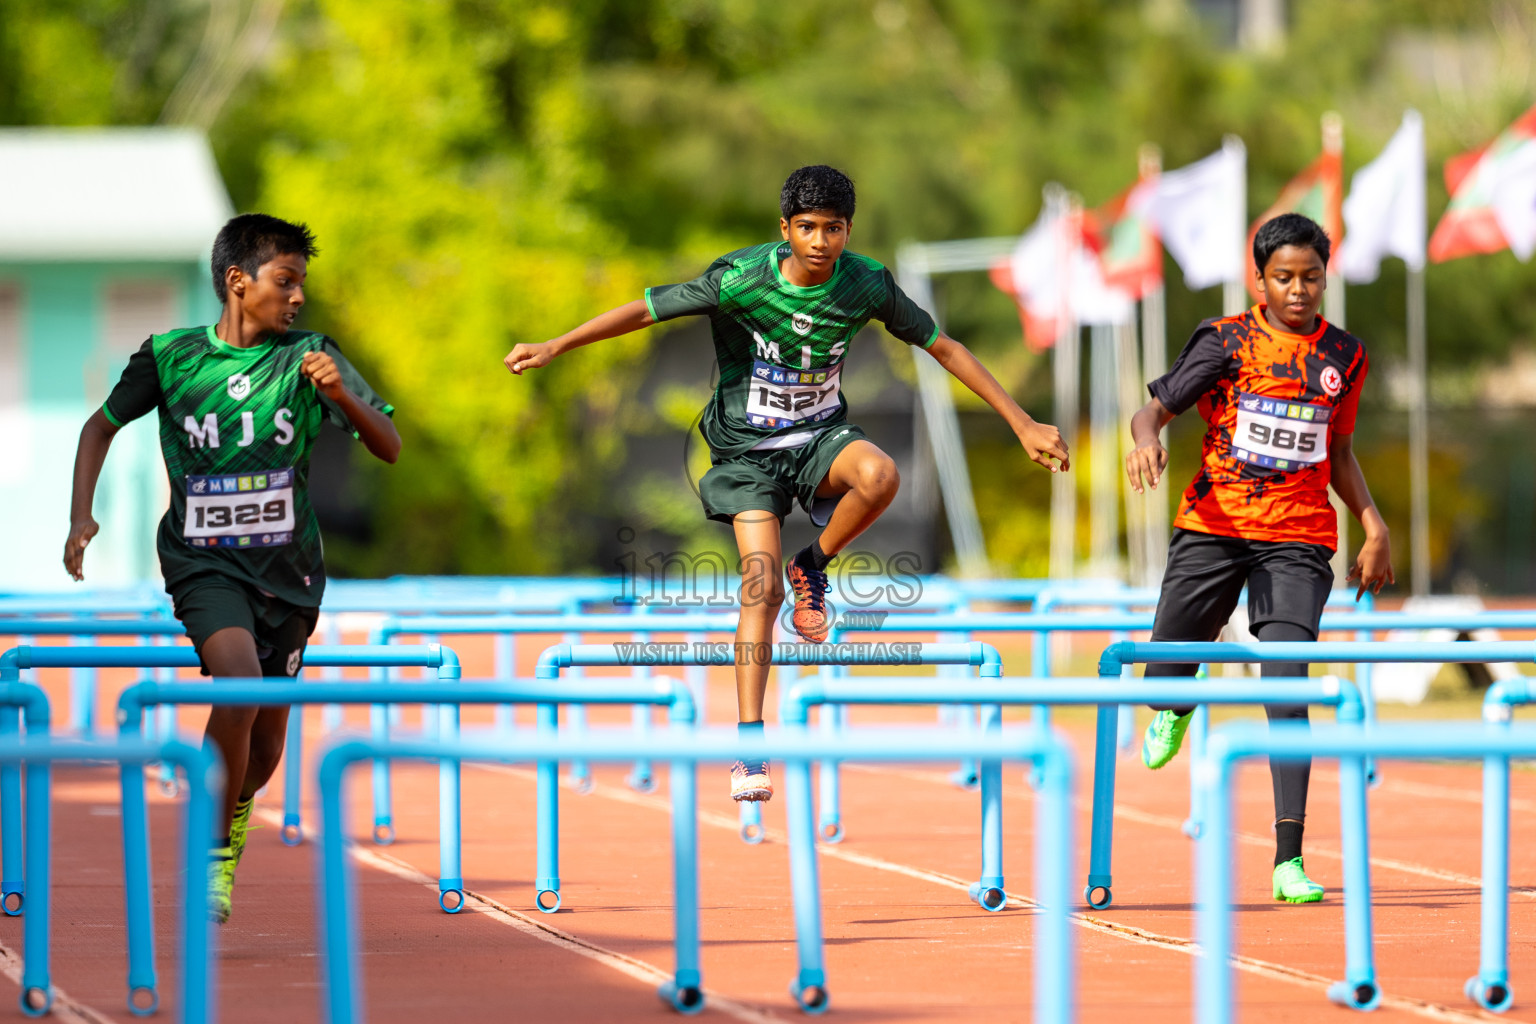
<point x="771" y="481"/>
<point x="208" y="603"/>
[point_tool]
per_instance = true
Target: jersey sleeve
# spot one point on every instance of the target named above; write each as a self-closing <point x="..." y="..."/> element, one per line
<point x="137" y="391"/>
<point x="1344" y="419"/>
<point x="1194" y="373"/>
<point x="354" y="383"/>
<point x="699" y="297"/>
<point x="905" y="319"/>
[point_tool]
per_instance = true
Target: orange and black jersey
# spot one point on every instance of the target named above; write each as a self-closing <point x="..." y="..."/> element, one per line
<point x="1273" y="401"/>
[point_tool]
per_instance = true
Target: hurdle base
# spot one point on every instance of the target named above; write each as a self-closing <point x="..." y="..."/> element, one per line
<point x="1491" y="992"/>
<point x="450" y="894"/>
<point x="13" y="899"/>
<point x="147" y="1007"/>
<point x="1099" y="884"/>
<point x="1356" y="995"/>
<point x="809" y="990"/>
<point x="687" y="999"/>
<point x="293" y="830"/>
<point x="988" y="894"/>
<point x="830" y="830"/>
<point x="545" y="891"/>
<point x="383" y="831"/>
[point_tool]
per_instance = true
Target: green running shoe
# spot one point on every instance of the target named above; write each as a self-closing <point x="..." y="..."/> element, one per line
<point x="238" y="828"/>
<point x="1163" y="738"/>
<point x="221" y="883"/>
<point x="1291" y="884"/>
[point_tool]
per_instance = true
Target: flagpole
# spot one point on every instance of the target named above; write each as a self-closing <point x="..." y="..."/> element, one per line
<point x="1234" y="294"/>
<point x="1154" y="362"/>
<point x="1334" y="311"/>
<point x="1418" y="434"/>
<point x="1065" y="371"/>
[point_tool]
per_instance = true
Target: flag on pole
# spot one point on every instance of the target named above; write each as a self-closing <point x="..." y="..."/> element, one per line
<point x="1121" y="232"/>
<point x="1317" y="192"/>
<point x="1055" y="273"/>
<point x="1384" y="214"/>
<point x="1491" y="197"/>
<point x="1197" y="210"/>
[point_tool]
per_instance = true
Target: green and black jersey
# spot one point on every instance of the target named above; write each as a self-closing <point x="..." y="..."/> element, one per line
<point x="780" y="346"/>
<point x="237" y="426"/>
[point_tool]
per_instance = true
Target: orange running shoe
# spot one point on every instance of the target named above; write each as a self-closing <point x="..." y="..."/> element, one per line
<point x="810" y="589"/>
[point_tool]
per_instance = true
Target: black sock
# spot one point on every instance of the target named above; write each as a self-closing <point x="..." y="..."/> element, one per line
<point x="814" y="557"/>
<point x="1287" y="841"/>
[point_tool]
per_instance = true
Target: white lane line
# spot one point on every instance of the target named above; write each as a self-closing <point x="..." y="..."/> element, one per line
<point x="1129" y="933"/>
<point x="64" y="1008"/>
<point x="1246" y="838"/>
<point x="542" y="930"/>
<point x="1393" y="784"/>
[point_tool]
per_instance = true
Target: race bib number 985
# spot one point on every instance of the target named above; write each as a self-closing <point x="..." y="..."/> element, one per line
<point x="781" y="397"/>
<point x="241" y="511"/>
<point x="1281" y="435"/>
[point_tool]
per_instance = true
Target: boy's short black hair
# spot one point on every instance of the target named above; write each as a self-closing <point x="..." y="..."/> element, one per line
<point x="1289" y="229"/>
<point x="252" y="239"/>
<point x="817" y="187"/>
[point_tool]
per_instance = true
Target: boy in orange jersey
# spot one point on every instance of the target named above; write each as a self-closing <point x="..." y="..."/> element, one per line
<point x="1279" y="387"/>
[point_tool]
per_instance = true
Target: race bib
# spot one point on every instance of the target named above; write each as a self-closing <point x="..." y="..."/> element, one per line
<point x="1281" y="435"/>
<point x="248" y="510"/>
<point x="781" y="397"/>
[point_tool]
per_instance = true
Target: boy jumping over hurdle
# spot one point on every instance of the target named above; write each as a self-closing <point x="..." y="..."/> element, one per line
<point x="241" y="403"/>
<point x="783" y="315"/>
<point x="1280" y="387"/>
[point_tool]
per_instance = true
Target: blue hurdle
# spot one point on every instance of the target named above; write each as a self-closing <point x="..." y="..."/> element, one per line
<point x="1239" y="740"/>
<point x="1054" y="959"/>
<point x="1117" y="656"/>
<point x="1490" y="988"/>
<point x="991" y="693"/>
<point x="204" y="783"/>
<point x="562" y="657"/>
<point x="449" y="693"/>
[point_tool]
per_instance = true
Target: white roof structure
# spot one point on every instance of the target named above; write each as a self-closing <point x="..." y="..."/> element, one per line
<point x="108" y="194"/>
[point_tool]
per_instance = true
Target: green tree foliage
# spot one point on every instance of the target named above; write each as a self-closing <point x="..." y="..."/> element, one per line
<point x="482" y="172"/>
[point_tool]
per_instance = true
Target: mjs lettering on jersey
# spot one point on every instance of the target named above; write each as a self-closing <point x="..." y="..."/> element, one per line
<point x="205" y="434"/>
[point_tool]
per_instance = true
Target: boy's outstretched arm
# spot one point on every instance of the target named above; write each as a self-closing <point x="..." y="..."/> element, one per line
<point x="95" y="438"/>
<point x="1041" y="441"/>
<point x="1373" y="565"/>
<point x="1149" y="458"/>
<point x="629" y="317"/>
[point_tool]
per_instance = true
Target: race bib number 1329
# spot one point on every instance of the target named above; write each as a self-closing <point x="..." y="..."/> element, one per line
<point x="240" y="511"/>
<point x="1277" y="434"/>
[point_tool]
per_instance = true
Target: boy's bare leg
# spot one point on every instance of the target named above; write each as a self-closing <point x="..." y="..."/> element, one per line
<point x="231" y="654"/>
<point x="866" y="477"/>
<point x="762" y="595"/>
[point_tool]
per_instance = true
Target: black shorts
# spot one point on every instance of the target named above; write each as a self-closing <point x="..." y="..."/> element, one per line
<point x="1288" y="581"/>
<point x="771" y="481"/>
<point x="208" y="603"/>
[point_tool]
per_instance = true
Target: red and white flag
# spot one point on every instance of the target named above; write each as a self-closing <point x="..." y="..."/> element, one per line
<point x="1493" y="197"/>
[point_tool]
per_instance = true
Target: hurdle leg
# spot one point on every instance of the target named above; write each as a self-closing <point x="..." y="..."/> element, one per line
<point x="505" y="670"/>
<point x="685" y="992"/>
<point x="988" y="893"/>
<point x="337" y="916"/>
<point x="138" y="888"/>
<point x="383" y="799"/>
<point x="1489" y="988"/>
<point x="36" y="988"/>
<point x="199" y="981"/>
<point x="1101" y="841"/>
<point x="750" y="816"/>
<point x="1358" y="989"/>
<point x="1199" y="728"/>
<point x="1368" y="699"/>
<point x="829" y="824"/>
<point x="1056" y="961"/>
<point x="546" y="895"/>
<point x="641" y="778"/>
<point x="450" y="880"/>
<point x="13" y="888"/>
<point x="82" y="692"/>
<point x="292" y="833"/>
<point x="165" y="729"/>
<point x="810" y="986"/>
<point x="1213" y="859"/>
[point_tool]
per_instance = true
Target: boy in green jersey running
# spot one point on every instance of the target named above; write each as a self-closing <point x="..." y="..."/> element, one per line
<point x="241" y="403"/>
<point x="782" y="315"/>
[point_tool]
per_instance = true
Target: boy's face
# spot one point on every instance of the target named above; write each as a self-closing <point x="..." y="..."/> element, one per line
<point x="271" y="299"/>
<point x="1292" y="283"/>
<point x="816" y="239"/>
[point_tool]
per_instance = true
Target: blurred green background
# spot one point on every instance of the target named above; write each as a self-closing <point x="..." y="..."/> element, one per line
<point x="481" y="173"/>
